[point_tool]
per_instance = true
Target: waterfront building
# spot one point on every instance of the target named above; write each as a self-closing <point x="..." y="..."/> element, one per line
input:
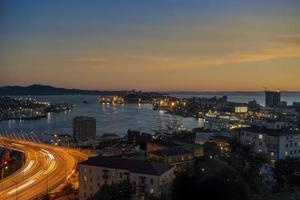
<point x="272" y="98"/>
<point x="147" y="178"/>
<point x="84" y="128"/>
<point x="275" y="143"/>
<point x="241" y="109"/>
<point x="216" y="124"/>
<point x="178" y="157"/>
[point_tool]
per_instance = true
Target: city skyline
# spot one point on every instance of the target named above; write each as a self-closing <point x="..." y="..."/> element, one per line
<point x="170" y="45"/>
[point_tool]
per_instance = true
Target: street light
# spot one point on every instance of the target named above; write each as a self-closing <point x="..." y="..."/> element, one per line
<point x="2" y="171"/>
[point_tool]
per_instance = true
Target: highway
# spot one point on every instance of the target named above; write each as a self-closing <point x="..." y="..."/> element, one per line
<point x="46" y="167"/>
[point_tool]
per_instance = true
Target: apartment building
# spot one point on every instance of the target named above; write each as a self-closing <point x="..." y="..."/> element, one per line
<point x="147" y="178"/>
<point x="276" y="143"/>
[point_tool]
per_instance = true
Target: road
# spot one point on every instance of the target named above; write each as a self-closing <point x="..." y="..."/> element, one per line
<point x="45" y="168"/>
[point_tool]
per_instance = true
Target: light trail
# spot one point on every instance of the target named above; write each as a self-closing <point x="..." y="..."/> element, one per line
<point x="20" y="145"/>
<point x="45" y="168"/>
<point x="28" y="166"/>
<point x="21" y="187"/>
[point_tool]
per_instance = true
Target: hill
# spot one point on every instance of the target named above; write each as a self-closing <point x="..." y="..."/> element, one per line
<point x="49" y="90"/>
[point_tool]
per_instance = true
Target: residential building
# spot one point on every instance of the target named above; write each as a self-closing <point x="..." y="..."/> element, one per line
<point x="138" y="138"/>
<point x="276" y="143"/>
<point x="219" y="138"/>
<point x="156" y="145"/>
<point x="84" y="128"/>
<point x="274" y="125"/>
<point x="178" y="157"/>
<point x="147" y="178"/>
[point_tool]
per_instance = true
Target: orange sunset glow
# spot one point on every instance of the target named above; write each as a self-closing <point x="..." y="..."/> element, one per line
<point x="161" y="46"/>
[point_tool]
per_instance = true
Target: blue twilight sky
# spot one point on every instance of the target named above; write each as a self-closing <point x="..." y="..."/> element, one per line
<point x="151" y="44"/>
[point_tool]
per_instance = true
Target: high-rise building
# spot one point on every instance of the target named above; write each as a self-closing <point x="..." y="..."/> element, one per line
<point x="84" y="128"/>
<point x="272" y="98"/>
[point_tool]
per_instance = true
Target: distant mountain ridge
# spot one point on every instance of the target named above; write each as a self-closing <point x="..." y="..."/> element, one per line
<point x="50" y="90"/>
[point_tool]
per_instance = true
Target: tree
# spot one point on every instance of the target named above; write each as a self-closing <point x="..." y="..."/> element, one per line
<point x="247" y="162"/>
<point x="118" y="191"/>
<point x="287" y="173"/>
<point x="211" y="150"/>
<point x="68" y="189"/>
<point x="211" y="180"/>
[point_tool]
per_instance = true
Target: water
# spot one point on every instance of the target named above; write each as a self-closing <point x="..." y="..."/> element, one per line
<point x="109" y="118"/>
<point x="119" y="118"/>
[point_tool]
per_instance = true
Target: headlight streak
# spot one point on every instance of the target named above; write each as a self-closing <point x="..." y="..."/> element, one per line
<point x="21" y="187"/>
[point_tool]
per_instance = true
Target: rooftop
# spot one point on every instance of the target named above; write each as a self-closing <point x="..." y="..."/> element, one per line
<point x="163" y="143"/>
<point x="173" y="151"/>
<point x="135" y="166"/>
<point x="84" y="118"/>
<point x="279" y="132"/>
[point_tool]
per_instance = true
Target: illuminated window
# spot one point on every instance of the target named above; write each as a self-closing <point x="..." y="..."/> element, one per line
<point x="260" y="136"/>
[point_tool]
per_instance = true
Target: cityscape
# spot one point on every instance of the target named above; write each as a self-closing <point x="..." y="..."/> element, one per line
<point x="149" y="100"/>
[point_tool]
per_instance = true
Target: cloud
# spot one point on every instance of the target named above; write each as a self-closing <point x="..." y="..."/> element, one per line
<point x="154" y="61"/>
<point x="93" y="60"/>
<point x="246" y="57"/>
<point x="161" y="60"/>
<point x="264" y="55"/>
<point x="290" y="39"/>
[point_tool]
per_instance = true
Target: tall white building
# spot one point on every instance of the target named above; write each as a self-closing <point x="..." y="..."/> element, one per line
<point x="276" y="143"/>
<point x="146" y="177"/>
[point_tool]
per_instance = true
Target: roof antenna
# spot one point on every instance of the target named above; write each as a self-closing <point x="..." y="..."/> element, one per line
<point x="265" y="88"/>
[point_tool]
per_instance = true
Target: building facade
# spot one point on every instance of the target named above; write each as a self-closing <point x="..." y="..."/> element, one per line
<point x="277" y="144"/>
<point x="272" y="98"/>
<point x="156" y="145"/>
<point x="179" y="158"/>
<point x="147" y="178"/>
<point x="84" y="128"/>
<point x="139" y="138"/>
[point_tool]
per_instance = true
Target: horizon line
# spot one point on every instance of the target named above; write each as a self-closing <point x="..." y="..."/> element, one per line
<point x="159" y="91"/>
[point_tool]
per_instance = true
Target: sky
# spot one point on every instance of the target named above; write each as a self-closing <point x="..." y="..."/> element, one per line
<point x="152" y="45"/>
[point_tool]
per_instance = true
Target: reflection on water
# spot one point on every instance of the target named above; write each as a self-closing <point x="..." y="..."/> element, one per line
<point x="110" y="118"/>
<point x="119" y="118"/>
